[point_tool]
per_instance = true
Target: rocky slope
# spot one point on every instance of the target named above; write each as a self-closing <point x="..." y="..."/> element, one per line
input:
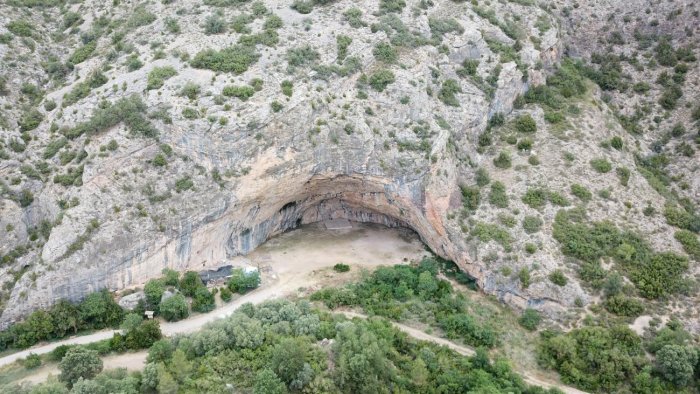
<point x="139" y="136"/>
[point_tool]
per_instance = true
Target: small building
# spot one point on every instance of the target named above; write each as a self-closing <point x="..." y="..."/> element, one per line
<point x="148" y="314"/>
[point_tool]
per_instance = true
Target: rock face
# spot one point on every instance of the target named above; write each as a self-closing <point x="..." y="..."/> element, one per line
<point x="230" y="168"/>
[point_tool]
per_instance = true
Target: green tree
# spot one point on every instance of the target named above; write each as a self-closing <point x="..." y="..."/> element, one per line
<point x="79" y="362"/>
<point x="99" y="310"/>
<point x="154" y="290"/>
<point x="266" y="382"/>
<point x="174" y="308"/>
<point x="676" y="363"/>
<point x="66" y="317"/>
<point x="189" y="283"/>
<point x="203" y="300"/>
<point x="289" y="358"/>
<point x="530" y="319"/>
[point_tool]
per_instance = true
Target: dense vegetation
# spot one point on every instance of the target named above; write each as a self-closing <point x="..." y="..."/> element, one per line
<point x="392" y="292"/>
<point x="655" y="274"/>
<point x="283" y="346"/>
<point x="611" y="359"/>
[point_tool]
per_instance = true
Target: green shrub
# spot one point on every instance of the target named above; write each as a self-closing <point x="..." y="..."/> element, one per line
<point x="226" y="294"/>
<point x="503" y="160"/>
<point x="581" y="192"/>
<point x="343" y="42"/>
<point x="532" y="224"/>
<point x="624" y="174"/>
<point x="482" y="177"/>
<point x="497" y="195"/>
<point x="203" y="300"/>
<point x="21" y="28"/>
<point x="303" y="6"/>
<point x="624" y="306"/>
<point x="241" y="92"/>
<point x="391" y="5"/>
<point x="601" y="165"/>
<point x="447" y="93"/>
<point x="535" y="198"/>
<point x="140" y="17"/>
<point x="190" y="113"/>
<point x="340" y="267"/>
<point x="470" y="197"/>
<point x="242" y="282"/>
<point x="30" y="120"/>
<point x="524" y="277"/>
<point x="530" y="319"/>
<point x="616" y="142"/>
<point x="385" y="52"/>
<point x="490" y="232"/>
<point x="158" y="76"/>
<point x="235" y="59"/>
<point x="276" y="106"/>
<point x="690" y="243"/>
<point x="525" y="124"/>
<point x="32" y="361"/>
<point x="214" y="24"/>
<point x="287" y="88"/>
<point x="128" y="110"/>
<point x="354" y="18"/>
<point x="190" y="90"/>
<point x="440" y="27"/>
<point x="83" y="53"/>
<point x="380" y="79"/>
<point x="183" y="184"/>
<point x="558" y="278"/>
<point x="302" y="56"/>
<point x="174" y="308"/>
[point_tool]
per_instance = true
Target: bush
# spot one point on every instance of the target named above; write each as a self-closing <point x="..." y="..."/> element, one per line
<point x="497" y="195"/>
<point x="30" y="120"/>
<point x="581" y="192"/>
<point x="690" y="243"/>
<point x="530" y="319"/>
<point x="190" y="90"/>
<point x="535" y="198"/>
<point x="32" y="361"/>
<point x="83" y="53"/>
<point x="235" y="59"/>
<point x="380" y="79"/>
<point x="524" y="277"/>
<point x="242" y="282"/>
<point x="79" y="362"/>
<point x="385" y="52"/>
<point x="214" y="24"/>
<point x="302" y="56"/>
<point x="525" y="124"/>
<point x="174" y="308"/>
<point x="303" y="6"/>
<point x="340" y="267"/>
<point x="203" y="300"/>
<point x="157" y="77"/>
<point x="21" y="28"/>
<point x="189" y="283"/>
<point x="601" y="165"/>
<point x="287" y="88"/>
<point x="532" y="224"/>
<point x="447" y="93"/>
<point x="470" y="197"/>
<point x="558" y="278"/>
<point x="391" y="5"/>
<point x="241" y="92"/>
<point x="624" y="306"/>
<point x="226" y="294"/>
<point x="503" y="160"/>
<point x="128" y="110"/>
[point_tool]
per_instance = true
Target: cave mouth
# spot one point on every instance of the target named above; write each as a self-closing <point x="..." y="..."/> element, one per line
<point x="358" y="199"/>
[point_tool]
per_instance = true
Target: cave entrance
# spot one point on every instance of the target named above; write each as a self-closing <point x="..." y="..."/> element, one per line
<point x="293" y="256"/>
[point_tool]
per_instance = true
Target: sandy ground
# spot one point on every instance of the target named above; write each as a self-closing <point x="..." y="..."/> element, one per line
<point x="130" y="361"/>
